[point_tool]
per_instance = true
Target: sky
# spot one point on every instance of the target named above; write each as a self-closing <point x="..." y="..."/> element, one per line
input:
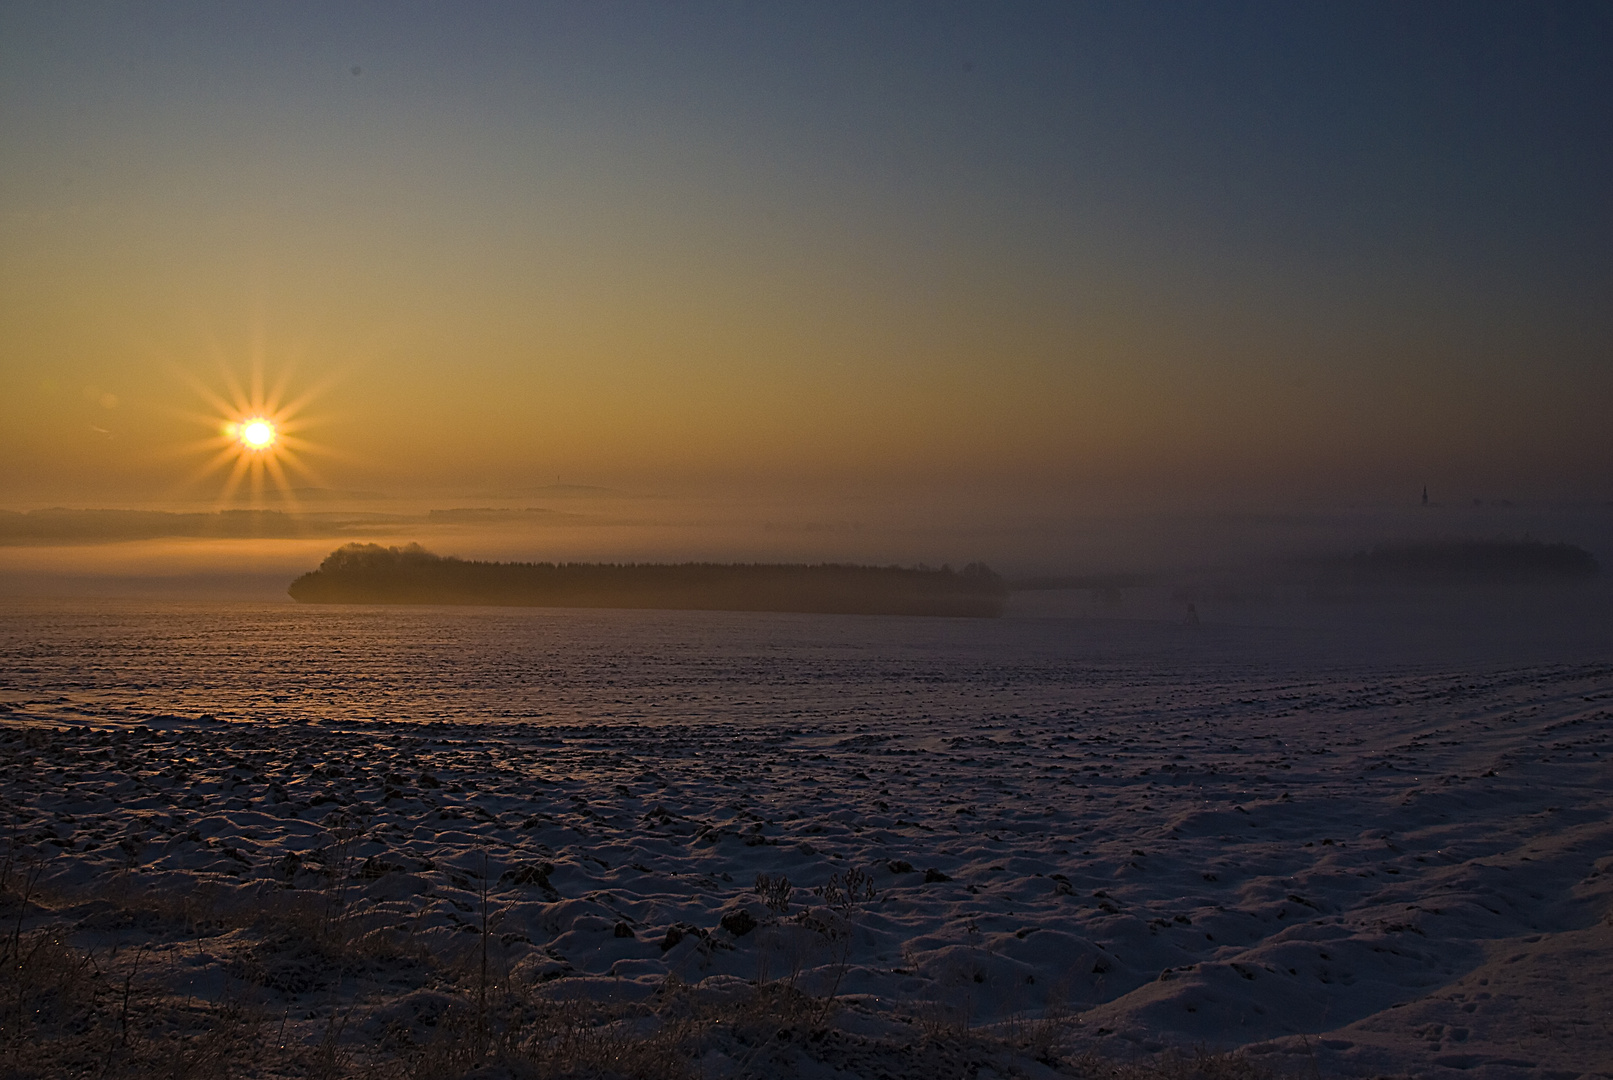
<point x="1012" y="256"/>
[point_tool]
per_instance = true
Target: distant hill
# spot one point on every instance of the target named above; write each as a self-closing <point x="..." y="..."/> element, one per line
<point x="1471" y="562"/>
<point x="61" y="526"/>
<point x="1084" y="581"/>
<point x="482" y="515"/>
<point x="372" y="574"/>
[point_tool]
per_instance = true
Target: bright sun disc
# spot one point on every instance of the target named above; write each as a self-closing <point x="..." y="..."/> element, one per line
<point x="257" y="434"/>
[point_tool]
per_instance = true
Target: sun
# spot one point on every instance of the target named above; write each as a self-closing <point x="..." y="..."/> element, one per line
<point x="256" y="433"/>
<point x="258" y="438"/>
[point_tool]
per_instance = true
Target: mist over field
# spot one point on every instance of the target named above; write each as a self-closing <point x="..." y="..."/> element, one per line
<point x="1289" y="568"/>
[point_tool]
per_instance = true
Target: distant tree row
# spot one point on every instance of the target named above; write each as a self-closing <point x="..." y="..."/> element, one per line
<point x="373" y="574"/>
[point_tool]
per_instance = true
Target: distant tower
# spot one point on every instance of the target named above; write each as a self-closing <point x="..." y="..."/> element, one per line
<point x="1425" y="494"/>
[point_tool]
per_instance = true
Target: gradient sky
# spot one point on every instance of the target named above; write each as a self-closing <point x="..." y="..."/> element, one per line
<point x="1053" y="251"/>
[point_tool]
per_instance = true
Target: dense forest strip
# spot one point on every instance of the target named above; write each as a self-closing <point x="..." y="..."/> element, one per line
<point x="372" y="574"/>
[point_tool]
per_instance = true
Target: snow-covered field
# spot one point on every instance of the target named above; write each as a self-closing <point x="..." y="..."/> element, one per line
<point x="1342" y="852"/>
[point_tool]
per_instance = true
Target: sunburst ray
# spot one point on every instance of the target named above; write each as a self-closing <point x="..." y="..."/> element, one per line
<point x="257" y="426"/>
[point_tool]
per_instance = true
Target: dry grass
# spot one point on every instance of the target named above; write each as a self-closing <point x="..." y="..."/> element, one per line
<point x="551" y="1040"/>
<point x="297" y="961"/>
<point x="71" y="1012"/>
<point x="1171" y="1065"/>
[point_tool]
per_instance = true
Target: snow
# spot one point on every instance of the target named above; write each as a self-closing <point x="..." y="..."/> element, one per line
<point x="1323" y="849"/>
